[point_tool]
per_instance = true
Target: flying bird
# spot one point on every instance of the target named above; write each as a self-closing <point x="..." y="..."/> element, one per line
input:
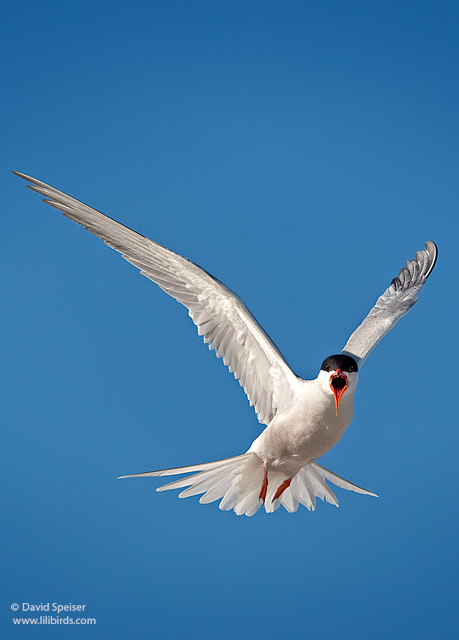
<point x="303" y="418"/>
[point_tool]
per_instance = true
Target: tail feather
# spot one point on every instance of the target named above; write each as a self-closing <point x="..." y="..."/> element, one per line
<point x="319" y="486"/>
<point x="178" y="470"/>
<point x="249" y="503"/>
<point x="216" y="492"/>
<point x="244" y="493"/>
<point x="275" y="479"/>
<point x="301" y="491"/>
<point x="340" y="482"/>
<point x="204" y="484"/>
<point x="289" y="501"/>
<point x="237" y="483"/>
<point x="219" y="468"/>
<point x="229" y="499"/>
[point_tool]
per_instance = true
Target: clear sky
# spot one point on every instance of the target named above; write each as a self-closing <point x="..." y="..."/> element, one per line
<point x="300" y="152"/>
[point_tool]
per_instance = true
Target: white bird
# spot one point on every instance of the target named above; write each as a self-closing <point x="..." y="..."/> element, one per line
<point x="303" y="418"/>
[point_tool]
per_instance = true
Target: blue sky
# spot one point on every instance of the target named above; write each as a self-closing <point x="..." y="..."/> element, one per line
<point x="300" y="152"/>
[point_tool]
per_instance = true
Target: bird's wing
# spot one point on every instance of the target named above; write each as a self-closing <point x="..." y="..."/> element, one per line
<point x="394" y="303"/>
<point x="220" y="316"/>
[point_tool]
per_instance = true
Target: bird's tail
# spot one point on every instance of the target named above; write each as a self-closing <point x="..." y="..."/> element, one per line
<point x="239" y="483"/>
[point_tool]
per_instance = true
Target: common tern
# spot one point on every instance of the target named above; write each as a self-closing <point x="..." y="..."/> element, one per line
<point x="303" y="418"/>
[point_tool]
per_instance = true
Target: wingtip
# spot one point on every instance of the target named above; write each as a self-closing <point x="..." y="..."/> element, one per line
<point x="20" y="175"/>
<point x="134" y="475"/>
<point x="146" y="474"/>
<point x="432" y="251"/>
<point x="34" y="181"/>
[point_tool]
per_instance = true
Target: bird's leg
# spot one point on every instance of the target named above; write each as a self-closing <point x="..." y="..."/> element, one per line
<point x="285" y="485"/>
<point x="264" y="484"/>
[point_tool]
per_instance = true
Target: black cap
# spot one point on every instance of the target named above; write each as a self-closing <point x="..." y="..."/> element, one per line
<point x="339" y="361"/>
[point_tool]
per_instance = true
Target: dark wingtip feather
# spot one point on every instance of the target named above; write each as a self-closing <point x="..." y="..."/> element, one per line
<point x="22" y="175"/>
<point x="432" y="251"/>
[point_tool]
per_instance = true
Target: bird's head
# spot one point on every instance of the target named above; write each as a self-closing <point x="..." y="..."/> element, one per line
<point x="338" y="375"/>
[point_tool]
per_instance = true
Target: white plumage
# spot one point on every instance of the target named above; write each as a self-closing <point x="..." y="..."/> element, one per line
<point x="303" y="418"/>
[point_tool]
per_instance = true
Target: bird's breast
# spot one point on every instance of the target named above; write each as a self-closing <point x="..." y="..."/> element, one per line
<point x="308" y="430"/>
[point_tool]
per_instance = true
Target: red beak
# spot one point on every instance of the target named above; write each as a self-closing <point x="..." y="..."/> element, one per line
<point x="338" y="384"/>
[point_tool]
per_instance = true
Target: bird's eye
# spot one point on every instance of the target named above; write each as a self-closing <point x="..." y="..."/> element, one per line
<point x="326" y="368"/>
<point x="351" y="368"/>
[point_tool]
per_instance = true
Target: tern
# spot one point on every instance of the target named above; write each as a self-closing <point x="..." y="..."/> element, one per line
<point x="304" y="418"/>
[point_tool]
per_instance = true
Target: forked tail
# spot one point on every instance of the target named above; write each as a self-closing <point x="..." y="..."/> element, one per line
<point x="242" y="484"/>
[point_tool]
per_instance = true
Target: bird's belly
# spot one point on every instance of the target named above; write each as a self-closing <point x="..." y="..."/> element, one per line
<point x="292" y="440"/>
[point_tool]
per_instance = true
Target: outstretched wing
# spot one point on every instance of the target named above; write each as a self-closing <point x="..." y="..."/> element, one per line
<point x="220" y="316"/>
<point x="394" y="303"/>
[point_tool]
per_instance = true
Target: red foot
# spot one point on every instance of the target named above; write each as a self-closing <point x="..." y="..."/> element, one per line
<point x="285" y="485"/>
<point x="264" y="485"/>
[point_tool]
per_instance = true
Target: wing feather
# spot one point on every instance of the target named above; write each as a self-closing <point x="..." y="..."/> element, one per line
<point x="393" y="304"/>
<point x="222" y="319"/>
